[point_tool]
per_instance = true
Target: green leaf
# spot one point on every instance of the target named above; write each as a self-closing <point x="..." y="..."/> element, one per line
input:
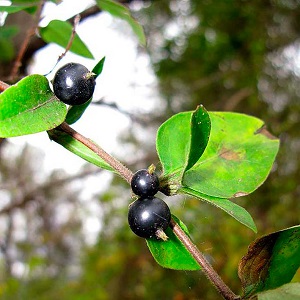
<point x="236" y="211"/>
<point x="8" y="32"/>
<point x="237" y="159"/>
<point x="77" y="148"/>
<point x="181" y="141"/>
<point x="122" y="12"/>
<point x="200" y="131"/>
<point x="172" y="254"/>
<point x="215" y="156"/>
<point x="99" y="67"/>
<point x="289" y="291"/>
<point x="7" y="52"/>
<point x="29" y="107"/>
<point x="16" y="8"/>
<point x="271" y="261"/>
<point x="75" y="112"/>
<point x="60" y="32"/>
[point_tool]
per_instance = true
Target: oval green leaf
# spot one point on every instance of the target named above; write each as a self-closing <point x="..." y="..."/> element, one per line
<point x="59" y="32"/>
<point x="120" y="11"/>
<point x="29" y="107"/>
<point x="75" y="112"/>
<point x="271" y="261"/>
<point x="237" y="159"/>
<point x="16" y="8"/>
<point x="236" y="211"/>
<point x="77" y="148"/>
<point x="99" y="67"/>
<point x="181" y="141"/>
<point x="172" y="254"/>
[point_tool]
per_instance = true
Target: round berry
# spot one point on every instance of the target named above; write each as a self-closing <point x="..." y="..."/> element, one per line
<point x="146" y="216"/>
<point x="144" y="184"/>
<point x="74" y="84"/>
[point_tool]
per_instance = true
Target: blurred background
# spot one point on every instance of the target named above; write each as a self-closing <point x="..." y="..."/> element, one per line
<point x="63" y="223"/>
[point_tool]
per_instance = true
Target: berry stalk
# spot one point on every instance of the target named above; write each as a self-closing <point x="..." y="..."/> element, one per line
<point x="3" y="86"/>
<point x="123" y="171"/>
<point x="127" y="174"/>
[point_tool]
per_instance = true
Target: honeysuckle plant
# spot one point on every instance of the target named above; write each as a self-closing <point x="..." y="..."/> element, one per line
<point x="212" y="156"/>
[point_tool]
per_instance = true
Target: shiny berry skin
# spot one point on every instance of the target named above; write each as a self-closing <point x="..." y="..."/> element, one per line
<point x="144" y="184"/>
<point x="74" y="84"/>
<point x="148" y="215"/>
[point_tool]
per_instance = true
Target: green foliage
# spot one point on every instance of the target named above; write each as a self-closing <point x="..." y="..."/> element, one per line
<point x="171" y="253"/>
<point x="7" y="50"/>
<point x="122" y="12"/>
<point x="29" y="107"/>
<point x="181" y="141"/>
<point x="234" y="210"/>
<point x="211" y="156"/>
<point x="60" y="32"/>
<point x="16" y="8"/>
<point x="238" y="157"/>
<point x="77" y="148"/>
<point x="271" y="261"/>
<point x="236" y="160"/>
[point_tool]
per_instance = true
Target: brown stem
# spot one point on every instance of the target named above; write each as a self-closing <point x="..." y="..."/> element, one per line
<point x="114" y="163"/>
<point x="3" y="86"/>
<point x="208" y="270"/>
<point x="30" y="33"/>
<point x="75" y="24"/>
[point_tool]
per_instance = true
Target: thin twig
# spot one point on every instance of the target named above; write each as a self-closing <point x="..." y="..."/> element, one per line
<point x="30" y="33"/>
<point x="114" y="163"/>
<point x="207" y="269"/>
<point x="3" y="86"/>
<point x="75" y="24"/>
<point x="69" y="45"/>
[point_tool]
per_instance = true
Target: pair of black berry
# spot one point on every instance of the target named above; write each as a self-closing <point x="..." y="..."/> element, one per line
<point x="148" y="215"/>
<point x="74" y="84"/>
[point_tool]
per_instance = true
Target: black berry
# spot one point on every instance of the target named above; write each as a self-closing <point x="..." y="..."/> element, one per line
<point x="74" y="84"/>
<point x="144" y="184"/>
<point x="146" y="216"/>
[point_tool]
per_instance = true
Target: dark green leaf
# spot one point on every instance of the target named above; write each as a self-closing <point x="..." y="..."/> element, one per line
<point x="60" y="32"/>
<point x="77" y="148"/>
<point x="29" y="107"/>
<point x="122" y="12"/>
<point x="8" y="32"/>
<point x="200" y="131"/>
<point x="181" y="140"/>
<point x="236" y="211"/>
<point x="290" y="291"/>
<point x="99" y="67"/>
<point x="271" y="261"/>
<point x="173" y="143"/>
<point x="237" y="159"/>
<point x="16" y="8"/>
<point x="7" y="52"/>
<point x="75" y="112"/>
<point x="171" y="253"/>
